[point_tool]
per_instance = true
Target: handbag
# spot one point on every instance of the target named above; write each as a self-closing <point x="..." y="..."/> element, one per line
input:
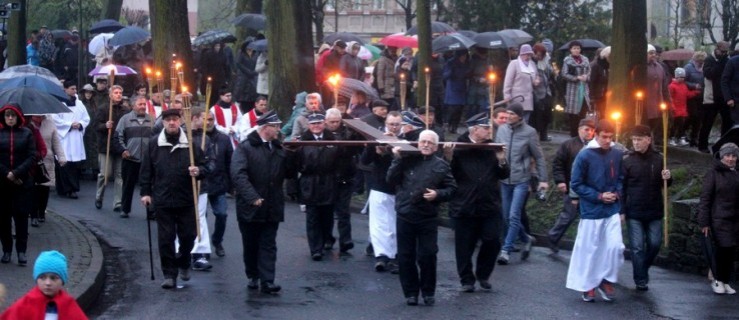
<point x="41" y="175"/>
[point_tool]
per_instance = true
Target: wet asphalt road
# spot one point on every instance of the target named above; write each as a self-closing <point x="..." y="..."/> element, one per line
<point x="347" y="287"/>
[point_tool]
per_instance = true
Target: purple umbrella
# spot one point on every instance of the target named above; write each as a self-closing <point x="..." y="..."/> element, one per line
<point x="117" y="70"/>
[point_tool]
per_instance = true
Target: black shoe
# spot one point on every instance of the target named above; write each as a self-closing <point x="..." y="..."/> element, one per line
<point x="369" y="251"/>
<point x="642" y="287"/>
<point x="411" y="301"/>
<point x="270" y="288"/>
<point x="467" y="288"/>
<point x="34" y="222"/>
<point x="380" y="265"/>
<point x="22" y="258"/>
<point x="98" y="203"/>
<point x="219" y="250"/>
<point x="184" y="274"/>
<point x="393" y="267"/>
<point x="317" y="256"/>
<point x="6" y="257"/>
<point x="73" y="195"/>
<point x="117" y="209"/>
<point x="253" y="284"/>
<point x="328" y="245"/>
<point x="169" y="283"/>
<point x="429" y="300"/>
<point x="485" y="285"/>
<point x="346" y="246"/>
<point x="124" y="214"/>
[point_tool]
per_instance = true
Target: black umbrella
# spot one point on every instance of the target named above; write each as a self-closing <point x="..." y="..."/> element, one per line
<point x="436" y="27"/>
<point x="32" y="101"/>
<point x="251" y="21"/>
<point x="493" y="40"/>
<point x="451" y="42"/>
<point x="105" y="26"/>
<point x="129" y="35"/>
<point x="347" y="86"/>
<point x="212" y="37"/>
<point x="61" y="34"/>
<point x="259" y="45"/>
<point x="467" y="33"/>
<point x="517" y="35"/>
<point x="343" y="36"/>
<point x="730" y="136"/>
<point x="37" y="82"/>
<point x="586" y="44"/>
<point x="709" y="248"/>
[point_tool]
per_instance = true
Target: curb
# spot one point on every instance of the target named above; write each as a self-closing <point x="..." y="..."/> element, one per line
<point x="87" y="290"/>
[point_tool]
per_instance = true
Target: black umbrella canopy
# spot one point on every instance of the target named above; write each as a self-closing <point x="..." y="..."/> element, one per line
<point x="467" y="33"/>
<point x="106" y="26"/>
<point x="347" y="87"/>
<point x="518" y="36"/>
<point x="61" y="34"/>
<point x="343" y="36"/>
<point x="730" y="136"/>
<point x="254" y="21"/>
<point x="436" y="27"/>
<point x="129" y="35"/>
<point x="32" y="101"/>
<point x="258" y="45"/>
<point x="585" y="44"/>
<point x="451" y="42"/>
<point x="212" y="37"/>
<point x="493" y="40"/>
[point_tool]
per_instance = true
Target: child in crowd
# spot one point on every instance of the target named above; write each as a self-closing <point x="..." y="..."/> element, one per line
<point x="679" y="93"/>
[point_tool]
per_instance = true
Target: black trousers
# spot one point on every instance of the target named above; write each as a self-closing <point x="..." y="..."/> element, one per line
<point x="710" y="111"/>
<point x="542" y="116"/>
<point x="319" y="221"/>
<point x="341" y="211"/>
<point x="417" y="248"/>
<point x="453" y="115"/>
<point x="677" y="130"/>
<point x="67" y="177"/>
<point x="15" y="201"/>
<point x="564" y="220"/>
<point x="40" y="201"/>
<point x="694" y="119"/>
<point x="260" y="249"/>
<point x="130" y="175"/>
<point x="467" y="232"/>
<point x="724" y="263"/>
<point x="180" y="223"/>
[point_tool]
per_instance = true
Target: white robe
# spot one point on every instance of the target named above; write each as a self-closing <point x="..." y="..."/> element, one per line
<point x="202" y="243"/>
<point x="229" y="122"/>
<point x="382" y="227"/>
<point x="72" y="140"/>
<point x="597" y="255"/>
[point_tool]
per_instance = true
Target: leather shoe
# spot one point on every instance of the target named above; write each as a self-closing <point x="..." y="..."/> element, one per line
<point x="22" y="258"/>
<point x="6" y="257"/>
<point x="485" y="285"/>
<point x="347" y="246"/>
<point x="317" y="256"/>
<point x="34" y="222"/>
<point x="253" y="284"/>
<point x="98" y="203"/>
<point x="73" y="195"/>
<point x="328" y="245"/>
<point x="270" y="288"/>
<point x="219" y="250"/>
<point x="429" y="300"/>
<point x="411" y="301"/>
<point x="169" y="283"/>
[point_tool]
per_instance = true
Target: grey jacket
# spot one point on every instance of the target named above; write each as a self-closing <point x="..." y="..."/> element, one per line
<point x="522" y="142"/>
<point x="132" y="134"/>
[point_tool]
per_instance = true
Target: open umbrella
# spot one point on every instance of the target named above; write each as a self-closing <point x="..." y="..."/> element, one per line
<point x="27" y="69"/>
<point x="129" y="35"/>
<point x="106" y="26"/>
<point x="61" y="34"/>
<point x="451" y="42"/>
<point x="347" y="86"/>
<point x="251" y="21"/>
<point x="400" y="40"/>
<point x="374" y="51"/>
<point x="518" y="36"/>
<point x="467" y="33"/>
<point x="677" y="55"/>
<point x="37" y="82"/>
<point x="730" y="136"/>
<point x="212" y="37"/>
<point x="586" y="44"/>
<point x="343" y="36"/>
<point x="98" y="43"/>
<point x="32" y="101"/>
<point x="117" y="70"/>
<point x="493" y="40"/>
<point x="437" y="27"/>
<point x="259" y="45"/>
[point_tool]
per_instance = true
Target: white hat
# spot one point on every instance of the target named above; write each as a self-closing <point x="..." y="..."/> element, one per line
<point x="651" y="48"/>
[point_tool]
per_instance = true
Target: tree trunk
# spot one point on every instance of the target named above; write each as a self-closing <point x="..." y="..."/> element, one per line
<point x="628" y="59"/>
<point x="112" y="9"/>
<point x="246" y="6"/>
<point x="290" y="55"/>
<point x="423" y="11"/>
<point x="318" y="16"/>
<point x="17" y="36"/>
<point x="409" y="14"/>
<point x="169" y="26"/>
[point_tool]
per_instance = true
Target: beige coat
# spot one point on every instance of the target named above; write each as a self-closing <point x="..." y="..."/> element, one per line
<point x="54" y="146"/>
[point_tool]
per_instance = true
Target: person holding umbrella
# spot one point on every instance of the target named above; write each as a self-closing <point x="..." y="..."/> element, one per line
<point x="718" y="213"/>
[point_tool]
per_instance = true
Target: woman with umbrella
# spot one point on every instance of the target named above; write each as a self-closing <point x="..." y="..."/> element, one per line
<point x="17" y="157"/>
<point x="245" y="85"/>
<point x="576" y="72"/>
<point x="718" y="214"/>
<point x="213" y="64"/>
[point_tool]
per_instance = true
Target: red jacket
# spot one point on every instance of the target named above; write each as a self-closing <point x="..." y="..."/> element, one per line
<point x="679" y="93"/>
<point x="32" y="306"/>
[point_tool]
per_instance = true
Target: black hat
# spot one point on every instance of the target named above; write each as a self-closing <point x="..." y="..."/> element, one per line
<point x="516" y="108"/>
<point x="340" y="44"/>
<point x="587" y="122"/>
<point x="379" y="103"/>
<point x="170" y="112"/>
<point x="422" y="110"/>
<point x="411" y="118"/>
<point x="268" y="118"/>
<point x="641" y="131"/>
<point x="604" y="126"/>
<point x="316" y="117"/>
<point x="481" y="119"/>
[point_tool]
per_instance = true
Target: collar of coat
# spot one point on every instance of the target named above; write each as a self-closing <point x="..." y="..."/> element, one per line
<point x="182" y="143"/>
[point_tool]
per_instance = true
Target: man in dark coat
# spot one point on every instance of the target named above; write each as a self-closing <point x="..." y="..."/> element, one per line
<point x="713" y="97"/>
<point x="475" y="207"/>
<point x="377" y="118"/>
<point x="165" y="182"/>
<point x="102" y="126"/>
<point x="730" y="86"/>
<point x="643" y="175"/>
<point x="422" y="183"/>
<point x="258" y="169"/>
<point x="219" y="181"/>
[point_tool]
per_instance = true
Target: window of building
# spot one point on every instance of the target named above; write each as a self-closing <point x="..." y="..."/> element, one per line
<point x="378" y="4"/>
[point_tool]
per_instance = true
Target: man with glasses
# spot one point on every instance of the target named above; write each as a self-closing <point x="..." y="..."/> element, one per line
<point x="713" y="97"/>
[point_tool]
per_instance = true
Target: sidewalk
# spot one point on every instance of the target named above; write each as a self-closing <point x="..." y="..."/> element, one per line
<point x="77" y="243"/>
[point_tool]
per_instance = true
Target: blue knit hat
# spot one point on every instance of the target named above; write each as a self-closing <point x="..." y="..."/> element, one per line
<point x="51" y="262"/>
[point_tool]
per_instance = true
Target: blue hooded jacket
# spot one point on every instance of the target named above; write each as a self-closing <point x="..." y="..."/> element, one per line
<point x="594" y="172"/>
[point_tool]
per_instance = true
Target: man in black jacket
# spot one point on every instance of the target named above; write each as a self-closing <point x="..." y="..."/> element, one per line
<point x="377" y="118"/>
<point x="561" y="169"/>
<point x="102" y="126"/>
<point x="475" y="207"/>
<point x="165" y="182"/>
<point x="713" y="97"/>
<point x="131" y="140"/>
<point x="422" y="183"/>
<point x="219" y="181"/>
<point x="642" y="205"/>
<point x="346" y="168"/>
<point x="258" y="170"/>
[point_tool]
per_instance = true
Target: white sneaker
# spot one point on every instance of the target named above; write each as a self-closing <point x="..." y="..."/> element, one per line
<point x="672" y="142"/>
<point x="503" y="258"/>
<point x="729" y="289"/>
<point x="718" y="287"/>
<point x="683" y="142"/>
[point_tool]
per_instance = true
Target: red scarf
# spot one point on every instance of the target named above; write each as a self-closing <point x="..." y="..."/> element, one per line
<point x="151" y="111"/>
<point x="221" y="118"/>
<point x="32" y="306"/>
<point x="253" y="118"/>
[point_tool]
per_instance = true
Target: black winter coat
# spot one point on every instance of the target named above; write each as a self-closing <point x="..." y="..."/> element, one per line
<point x="477" y="173"/>
<point x="346" y="167"/>
<point x="17" y="152"/>
<point x="258" y="173"/>
<point x="642" y="191"/>
<point x="101" y="117"/>
<point x="219" y="180"/>
<point x="412" y="175"/>
<point x="562" y="162"/>
<point x="245" y="85"/>
<point x="719" y="204"/>
<point x="317" y="165"/>
<point x="378" y="165"/>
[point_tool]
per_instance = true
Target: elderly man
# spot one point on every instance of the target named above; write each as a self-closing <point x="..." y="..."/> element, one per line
<point x="475" y="206"/>
<point x="102" y="125"/>
<point x="642" y="184"/>
<point x="312" y="105"/>
<point x="165" y="182"/>
<point x="71" y="127"/>
<point x="131" y="141"/>
<point x="423" y="181"/>
<point x="714" y="102"/>
<point x="523" y="146"/>
<point x="377" y="118"/>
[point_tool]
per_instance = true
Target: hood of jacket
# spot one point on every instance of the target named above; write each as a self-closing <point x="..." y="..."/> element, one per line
<point x="18" y="112"/>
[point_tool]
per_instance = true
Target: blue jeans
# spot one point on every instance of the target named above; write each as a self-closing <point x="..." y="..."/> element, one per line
<point x="645" y="238"/>
<point x="219" y="206"/>
<point x="514" y="198"/>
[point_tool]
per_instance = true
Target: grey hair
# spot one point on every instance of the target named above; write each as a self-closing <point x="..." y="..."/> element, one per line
<point x="333" y="112"/>
<point x="314" y="95"/>
<point x="434" y="135"/>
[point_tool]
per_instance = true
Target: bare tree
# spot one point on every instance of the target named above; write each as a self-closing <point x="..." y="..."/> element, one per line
<point x="137" y="18"/>
<point x="410" y="12"/>
<point x="317" y="8"/>
<point x="728" y="13"/>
